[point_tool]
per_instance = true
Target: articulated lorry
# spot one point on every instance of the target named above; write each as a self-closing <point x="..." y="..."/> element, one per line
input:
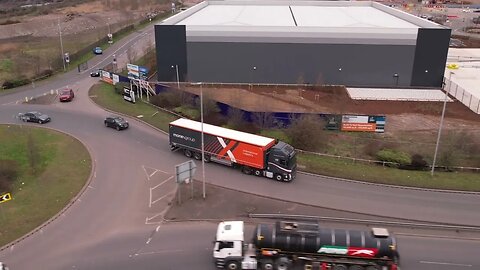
<point x="254" y="154"/>
<point x="304" y="245"/>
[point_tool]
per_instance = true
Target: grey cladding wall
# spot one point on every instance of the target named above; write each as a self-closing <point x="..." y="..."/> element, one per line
<point x="349" y="64"/>
<point x="430" y="57"/>
<point x="171" y="46"/>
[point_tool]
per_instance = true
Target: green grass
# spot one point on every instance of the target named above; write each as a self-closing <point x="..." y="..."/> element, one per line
<point x="63" y="166"/>
<point x="104" y="95"/>
<point x="378" y="174"/>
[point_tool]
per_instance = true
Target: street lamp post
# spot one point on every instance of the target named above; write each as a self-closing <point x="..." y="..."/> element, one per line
<point x="441" y="120"/>
<point x="396" y="78"/>
<point x="61" y="45"/>
<point x="203" y="145"/>
<point x="178" y="80"/>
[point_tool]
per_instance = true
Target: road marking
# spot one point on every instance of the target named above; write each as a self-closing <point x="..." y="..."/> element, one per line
<point x="148" y="241"/>
<point x="159" y="252"/>
<point x="158" y="228"/>
<point x="159" y="199"/>
<point x="153" y="173"/>
<point x="446" y="263"/>
<point x="162" y="182"/>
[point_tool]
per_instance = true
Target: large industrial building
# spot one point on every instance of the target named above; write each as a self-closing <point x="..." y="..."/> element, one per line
<point x="363" y="44"/>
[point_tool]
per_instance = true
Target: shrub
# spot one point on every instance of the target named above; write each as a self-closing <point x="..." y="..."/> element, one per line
<point x="392" y="155"/>
<point x="189" y="112"/>
<point x="167" y="100"/>
<point x="15" y="83"/>
<point x="45" y="74"/>
<point x="418" y="162"/>
<point x="307" y="133"/>
<point x="119" y="87"/>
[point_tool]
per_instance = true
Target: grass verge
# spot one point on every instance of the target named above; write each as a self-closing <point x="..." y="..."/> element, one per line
<point x="105" y="96"/>
<point x="52" y="168"/>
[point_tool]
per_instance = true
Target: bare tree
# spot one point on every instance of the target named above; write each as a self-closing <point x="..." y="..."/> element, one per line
<point x="308" y="133"/>
<point x="263" y="119"/>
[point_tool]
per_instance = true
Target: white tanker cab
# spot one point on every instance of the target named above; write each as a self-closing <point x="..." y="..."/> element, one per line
<point x="289" y="244"/>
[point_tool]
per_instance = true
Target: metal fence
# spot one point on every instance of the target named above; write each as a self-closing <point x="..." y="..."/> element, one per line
<point x="464" y="96"/>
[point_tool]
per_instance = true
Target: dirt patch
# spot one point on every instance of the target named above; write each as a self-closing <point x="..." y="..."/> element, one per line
<point x="401" y="115"/>
<point x="42" y="100"/>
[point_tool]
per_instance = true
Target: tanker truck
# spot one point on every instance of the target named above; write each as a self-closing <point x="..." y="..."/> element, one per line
<point x="253" y="154"/>
<point x="304" y="245"/>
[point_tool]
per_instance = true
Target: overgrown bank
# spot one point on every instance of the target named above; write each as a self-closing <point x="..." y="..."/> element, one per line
<point x="306" y="133"/>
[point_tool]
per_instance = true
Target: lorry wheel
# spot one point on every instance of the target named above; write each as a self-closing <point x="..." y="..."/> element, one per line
<point x="282" y="263"/>
<point x="232" y="265"/>
<point x="356" y="267"/>
<point x="267" y="264"/>
<point x="206" y="158"/>
<point x="278" y="177"/>
<point x="187" y="153"/>
<point x="257" y="173"/>
<point x="197" y="156"/>
<point x="247" y="170"/>
<point x="339" y="267"/>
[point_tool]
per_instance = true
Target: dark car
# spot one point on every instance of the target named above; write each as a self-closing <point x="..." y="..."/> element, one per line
<point x="97" y="50"/>
<point x="66" y="95"/>
<point x="95" y="73"/>
<point x="116" y="122"/>
<point x="36" y="117"/>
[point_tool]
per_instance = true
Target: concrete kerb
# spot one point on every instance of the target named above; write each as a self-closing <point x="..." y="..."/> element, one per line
<point x="392" y="186"/>
<point x="347" y="212"/>
<point x="69" y="204"/>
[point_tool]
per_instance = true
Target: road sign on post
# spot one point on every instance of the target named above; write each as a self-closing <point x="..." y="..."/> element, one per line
<point x="184" y="174"/>
<point x="5" y="197"/>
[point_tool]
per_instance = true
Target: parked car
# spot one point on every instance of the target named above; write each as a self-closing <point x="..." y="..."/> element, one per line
<point x="66" y="95"/>
<point x="97" y="50"/>
<point x="95" y="73"/>
<point x="36" y="117"/>
<point x="116" y="122"/>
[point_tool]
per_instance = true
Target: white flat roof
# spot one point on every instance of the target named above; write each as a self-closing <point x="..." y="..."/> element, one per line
<point x="224" y="132"/>
<point x="466" y="79"/>
<point x="297" y="16"/>
<point x="397" y="94"/>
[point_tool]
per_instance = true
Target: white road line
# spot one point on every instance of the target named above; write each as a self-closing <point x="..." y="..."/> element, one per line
<point x="159" y="252"/>
<point x="446" y="263"/>
<point x="148" y="219"/>
<point x="158" y="228"/>
<point x="148" y="241"/>
<point x="153" y="173"/>
<point x="160" y="198"/>
<point x="162" y="182"/>
<point x="150" y="201"/>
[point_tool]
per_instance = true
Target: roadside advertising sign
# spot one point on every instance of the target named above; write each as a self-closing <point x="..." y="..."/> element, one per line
<point x="363" y="123"/>
<point x="133" y="72"/>
<point x="128" y="95"/>
<point x="106" y="77"/>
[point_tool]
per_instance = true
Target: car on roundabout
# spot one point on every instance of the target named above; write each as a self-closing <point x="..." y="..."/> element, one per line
<point x="34" y="116"/>
<point x="66" y="95"/>
<point x="116" y="122"/>
<point x="95" y="73"/>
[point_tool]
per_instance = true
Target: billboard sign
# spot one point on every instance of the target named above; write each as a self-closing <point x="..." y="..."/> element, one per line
<point x="128" y="95"/>
<point x="133" y="72"/>
<point x="106" y="77"/>
<point x="143" y="71"/>
<point x="363" y="123"/>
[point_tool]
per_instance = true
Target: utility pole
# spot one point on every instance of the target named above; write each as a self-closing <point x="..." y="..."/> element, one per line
<point x="61" y="45"/>
<point x="441" y="120"/>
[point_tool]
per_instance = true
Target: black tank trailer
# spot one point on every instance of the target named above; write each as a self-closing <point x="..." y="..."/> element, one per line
<point x="328" y="248"/>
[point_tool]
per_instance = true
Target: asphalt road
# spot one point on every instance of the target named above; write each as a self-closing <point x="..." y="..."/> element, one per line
<point x="106" y="228"/>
